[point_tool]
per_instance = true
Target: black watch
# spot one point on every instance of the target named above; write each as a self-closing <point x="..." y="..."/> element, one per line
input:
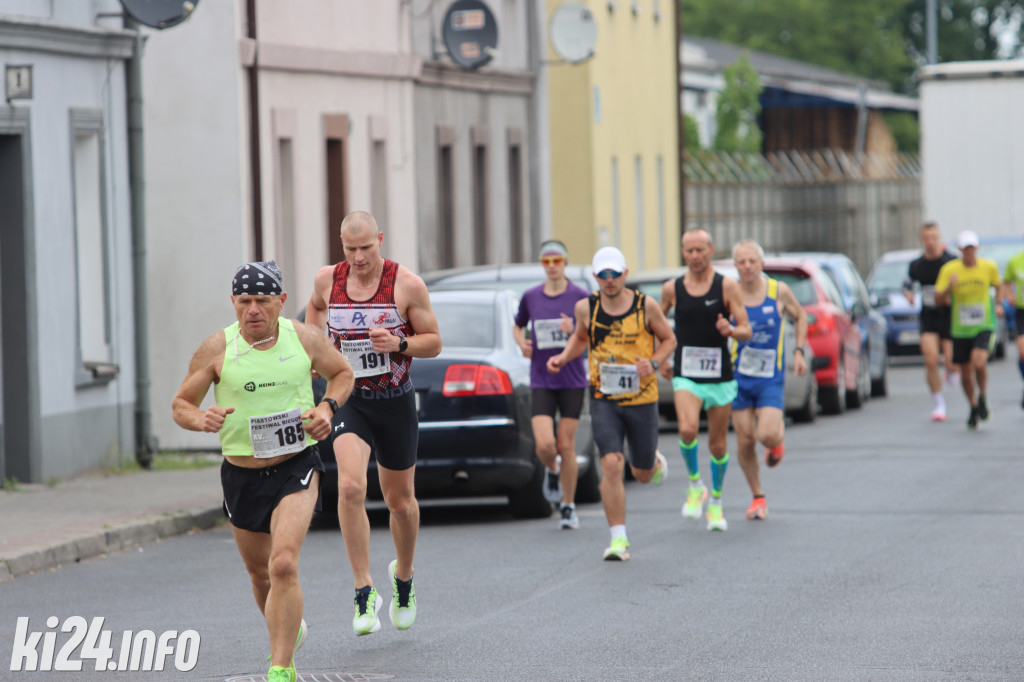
<point x="801" y="349"/>
<point x="654" y="364"/>
<point x="403" y="344"/>
<point x="333" y="403"/>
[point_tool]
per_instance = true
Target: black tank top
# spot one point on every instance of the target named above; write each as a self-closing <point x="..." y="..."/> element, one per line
<point x="695" y="330"/>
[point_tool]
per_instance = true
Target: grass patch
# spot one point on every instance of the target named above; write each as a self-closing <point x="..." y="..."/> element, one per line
<point x="171" y="461"/>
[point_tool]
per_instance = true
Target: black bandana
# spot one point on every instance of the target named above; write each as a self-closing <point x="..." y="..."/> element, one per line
<point x="258" y="279"/>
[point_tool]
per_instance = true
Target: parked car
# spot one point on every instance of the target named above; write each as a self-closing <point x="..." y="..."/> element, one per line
<point x="885" y="285"/>
<point x="516" y="276"/>
<point x="473" y="402"/>
<point x="831" y="333"/>
<point x="801" y="392"/>
<point x="873" y="379"/>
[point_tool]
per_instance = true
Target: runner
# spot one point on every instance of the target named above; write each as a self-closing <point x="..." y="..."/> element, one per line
<point x="268" y="428"/>
<point x="620" y="326"/>
<point x="378" y="314"/>
<point x="1013" y="280"/>
<point x="549" y="307"/>
<point x="968" y="282"/>
<point x="704" y="303"/>
<point x="760" y="364"/>
<point x="935" y="321"/>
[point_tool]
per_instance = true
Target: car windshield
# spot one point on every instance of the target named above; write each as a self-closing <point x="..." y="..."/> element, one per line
<point x="889" y="276"/>
<point x="801" y="285"/>
<point x="465" y="324"/>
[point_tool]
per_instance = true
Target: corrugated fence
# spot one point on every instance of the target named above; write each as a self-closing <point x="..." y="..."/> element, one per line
<point x="825" y="200"/>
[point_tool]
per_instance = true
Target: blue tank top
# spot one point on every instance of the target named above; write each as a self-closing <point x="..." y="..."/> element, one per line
<point x="761" y="359"/>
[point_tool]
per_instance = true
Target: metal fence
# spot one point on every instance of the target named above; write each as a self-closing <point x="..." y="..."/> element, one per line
<point x="824" y="200"/>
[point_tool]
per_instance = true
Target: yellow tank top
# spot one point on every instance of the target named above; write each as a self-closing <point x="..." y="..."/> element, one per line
<point x="615" y="344"/>
<point x="268" y="389"/>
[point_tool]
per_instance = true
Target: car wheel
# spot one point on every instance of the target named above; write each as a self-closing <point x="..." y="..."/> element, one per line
<point x="588" y="485"/>
<point x="833" y="398"/>
<point x="529" y="502"/>
<point x="880" y="386"/>
<point x="809" y="411"/>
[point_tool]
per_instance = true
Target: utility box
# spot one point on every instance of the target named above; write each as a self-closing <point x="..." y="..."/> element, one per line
<point x="972" y="146"/>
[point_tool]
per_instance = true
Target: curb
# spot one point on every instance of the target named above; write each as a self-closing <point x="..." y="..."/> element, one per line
<point x="109" y="541"/>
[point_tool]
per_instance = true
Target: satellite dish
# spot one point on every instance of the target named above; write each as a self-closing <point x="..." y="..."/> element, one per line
<point x="470" y="33"/>
<point x="159" y="13"/>
<point x="573" y="32"/>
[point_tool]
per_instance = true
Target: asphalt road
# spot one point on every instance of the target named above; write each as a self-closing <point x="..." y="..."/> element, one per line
<point x="892" y="551"/>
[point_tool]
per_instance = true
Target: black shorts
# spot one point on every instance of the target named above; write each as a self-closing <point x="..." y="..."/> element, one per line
<point x="936" y="321"/>
<point x="568" y="402"/>
<point x="613" y="423"/>
<point x="252" y="495"/>
<point x="384" y="420"/>
<point x="962" y="347"/>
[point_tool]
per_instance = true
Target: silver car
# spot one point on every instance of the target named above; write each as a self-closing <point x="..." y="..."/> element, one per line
<point x="801" y="392"/>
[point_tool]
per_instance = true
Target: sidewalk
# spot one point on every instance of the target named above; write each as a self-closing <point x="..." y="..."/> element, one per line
<point x="46" y="526"/>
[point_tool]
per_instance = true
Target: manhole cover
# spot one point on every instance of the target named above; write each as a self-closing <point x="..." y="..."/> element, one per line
<point x="321" y="676"/>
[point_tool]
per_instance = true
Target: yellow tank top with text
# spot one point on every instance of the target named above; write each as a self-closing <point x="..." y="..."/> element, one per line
<point x="615" y="344"/>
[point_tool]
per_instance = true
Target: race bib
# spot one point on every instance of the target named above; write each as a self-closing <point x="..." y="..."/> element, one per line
<point x="928" y="295"/>
<point x="702" y="363"/>
<point x="549" y="334"/>
<point x="619" y="379"/>
<point x="277" y="434"/>
<point x="365" y="361"/>
<point x="757" y="362"/>
<point x="972" y="315"/>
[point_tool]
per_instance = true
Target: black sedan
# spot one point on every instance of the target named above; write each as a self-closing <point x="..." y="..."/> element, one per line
<point x="473" y="401"/>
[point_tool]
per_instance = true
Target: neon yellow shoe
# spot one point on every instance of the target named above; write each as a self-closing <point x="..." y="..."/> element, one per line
<point x="694" y="507"/>
<point x="715" y="519"/>
<point x="403" y="600"/>
<point x="279" y="674"/>
<point x="618" y="551"/>
<point x="368" y="603"/>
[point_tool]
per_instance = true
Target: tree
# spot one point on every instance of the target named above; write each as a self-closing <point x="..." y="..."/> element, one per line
<point x="967" y="29"/>
<point x="738" y="107"/>
<point x="691" y="133"/>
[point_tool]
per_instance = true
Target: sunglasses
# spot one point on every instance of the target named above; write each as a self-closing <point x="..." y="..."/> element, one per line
<point x="609" y="274"/>
<point x="552" y="260"/>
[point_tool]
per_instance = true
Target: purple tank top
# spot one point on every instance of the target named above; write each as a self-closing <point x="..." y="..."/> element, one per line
<point x="543" y="313"/>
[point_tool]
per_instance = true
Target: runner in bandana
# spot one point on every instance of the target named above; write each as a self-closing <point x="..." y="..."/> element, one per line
<point x="378" y="314"/>
<point x="268" y="428"/>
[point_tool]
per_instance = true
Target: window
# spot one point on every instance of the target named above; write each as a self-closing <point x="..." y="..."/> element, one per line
<point x="336" y="128"/>
<point x="480" y="208"/>
<point x="379" y="183"/>
<point x="286" y="216"/>
<point x="616" y="228"/>
<point x="515" y="197"/>
<point x="445" y="199"/>
<point x="92" y="263"/>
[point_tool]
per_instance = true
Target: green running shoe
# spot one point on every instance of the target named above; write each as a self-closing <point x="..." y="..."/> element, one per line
<point x="403" y="600"/>
<point x="662" y="473"/>
<point x="368" y="603"/>
<point x="618" y="551"/>
<point x="279" y="674"/>
<point x="694" y="506"/>
<point x="300" y="639"/>
<point x="715" y="519"/>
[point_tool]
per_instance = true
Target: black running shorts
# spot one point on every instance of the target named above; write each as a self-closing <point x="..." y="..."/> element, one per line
<point x="567" y="401"/>
<point x="386" y="421"/>
<point x="962" y="347"/>
<point x="936" y="321"/>
<point x="252" y="495"/>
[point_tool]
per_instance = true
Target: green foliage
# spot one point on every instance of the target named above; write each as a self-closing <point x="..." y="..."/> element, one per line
<point x="738" y="108"/>
<point x="905" y="129"/>
<point x="691" y="133"/>
<point x="966" y="29"/>
<point x="10" y="484"/>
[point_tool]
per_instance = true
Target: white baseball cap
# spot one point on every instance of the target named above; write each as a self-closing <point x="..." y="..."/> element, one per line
<point x="966" y="238"/>
<point x="609" y="258"/>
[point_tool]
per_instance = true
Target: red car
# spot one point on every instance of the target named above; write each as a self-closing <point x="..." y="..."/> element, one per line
<point x="831" y="334"/>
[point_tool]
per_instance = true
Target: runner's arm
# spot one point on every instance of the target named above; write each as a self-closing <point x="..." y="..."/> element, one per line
<point x="792" y="307"/>
<point x="202" y="373"/>
<point x="662" y="330"/>
<point x="426" y="341"/>
<point x="741" y="331"/>
<point x="316" y="309"/>
<point x="668" y="296"/>
<point x="578" y="341"/>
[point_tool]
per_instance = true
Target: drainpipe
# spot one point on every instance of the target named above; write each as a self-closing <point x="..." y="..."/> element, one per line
<point x="254" y="135"/>
<point x="145" y="442"/>
<point x="677" y="15"/>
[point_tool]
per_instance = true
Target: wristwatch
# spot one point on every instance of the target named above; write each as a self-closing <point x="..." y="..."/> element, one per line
<point x="801" y="349"/>
<point x="654" y="364"/>
<point x="333" y="403"/>
<point x="402" y="345"/>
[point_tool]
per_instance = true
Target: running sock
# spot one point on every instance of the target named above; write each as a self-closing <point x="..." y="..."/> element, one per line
<point x="689" y="451"/>
<point x="939" y="400"/>
<point x="619" y="531"/>
<point x="1020" y="366"/>
<point x="718" y="474"/>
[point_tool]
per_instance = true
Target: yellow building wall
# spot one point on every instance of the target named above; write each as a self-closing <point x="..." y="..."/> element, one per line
<point x="620" y="105"/>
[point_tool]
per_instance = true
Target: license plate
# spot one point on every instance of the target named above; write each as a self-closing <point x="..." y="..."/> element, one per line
<point x="909" y="337"/>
